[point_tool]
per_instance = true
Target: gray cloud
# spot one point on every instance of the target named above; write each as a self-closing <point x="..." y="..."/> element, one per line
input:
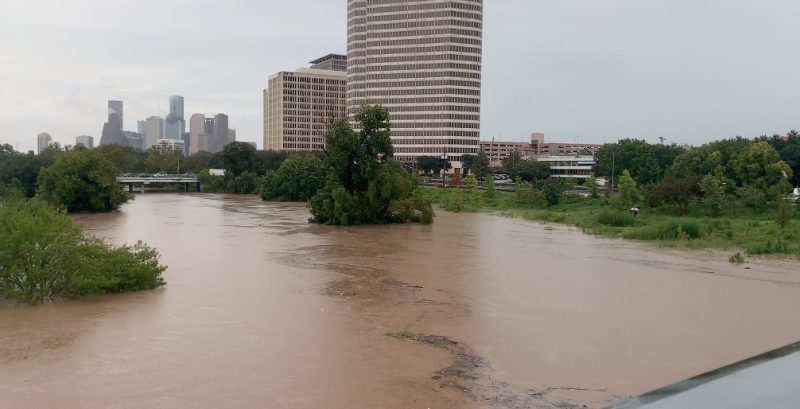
<point x="690" y="71"/>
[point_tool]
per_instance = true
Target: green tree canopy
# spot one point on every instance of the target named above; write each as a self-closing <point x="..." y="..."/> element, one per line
<point x="530" y="171"/>
<point x="364" y="184"/>
<point x="646" y="163"/>
<point x="432" y="164"/>
<point x="477" y="164"/>
<point x="25" y="168"/>
<point x="240" y="157"/>
<point x="297" y="180"/>
<point x="82" y="181"/>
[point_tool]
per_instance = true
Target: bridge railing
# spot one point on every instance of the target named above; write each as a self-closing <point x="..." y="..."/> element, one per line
<point x="159" y="175"/>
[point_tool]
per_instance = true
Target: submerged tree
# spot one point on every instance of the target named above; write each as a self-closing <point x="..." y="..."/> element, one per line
<point x="82" y="180"/>
<point x="364" y="184"/>
<point x="297" y="180"/>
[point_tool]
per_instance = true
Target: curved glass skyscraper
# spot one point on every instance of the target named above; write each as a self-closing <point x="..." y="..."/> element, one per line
<point x="422" y="60"/>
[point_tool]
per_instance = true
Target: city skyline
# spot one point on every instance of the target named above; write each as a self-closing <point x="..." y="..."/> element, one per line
<point x="619" y="69"/>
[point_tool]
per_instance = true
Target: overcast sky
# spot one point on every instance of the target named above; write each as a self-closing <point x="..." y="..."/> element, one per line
<point x="689" y="70"/>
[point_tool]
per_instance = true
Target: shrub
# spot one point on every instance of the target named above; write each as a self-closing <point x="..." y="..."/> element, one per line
<point x="44" y="255"/>
<point x="614" y="218"/>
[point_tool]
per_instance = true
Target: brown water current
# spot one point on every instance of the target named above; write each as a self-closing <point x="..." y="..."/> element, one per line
<point x="263" y="310"/>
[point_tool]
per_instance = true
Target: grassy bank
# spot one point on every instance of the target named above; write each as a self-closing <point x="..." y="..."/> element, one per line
<point x="740" y="229"/>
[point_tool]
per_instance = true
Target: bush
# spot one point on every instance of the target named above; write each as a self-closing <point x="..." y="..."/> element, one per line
<point x="614" y="218"/>
<point x="666" y="230"/>
<point x="44" y="255"/>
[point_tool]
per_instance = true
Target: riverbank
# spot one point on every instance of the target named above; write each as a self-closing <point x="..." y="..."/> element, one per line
<point x="742" y="232"/>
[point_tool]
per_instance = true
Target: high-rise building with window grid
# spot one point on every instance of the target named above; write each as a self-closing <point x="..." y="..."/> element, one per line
<point x="422" y="60"/>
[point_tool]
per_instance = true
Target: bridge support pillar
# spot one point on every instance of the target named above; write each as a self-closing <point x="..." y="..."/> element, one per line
<point x="186" y="187"/>
<point x="198" y="187"/>
<point x="142" y="187"/>
<point x="130" y="187"/>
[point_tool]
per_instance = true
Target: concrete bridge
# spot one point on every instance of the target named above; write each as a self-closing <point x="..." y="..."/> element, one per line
<point x="146" y="179"/>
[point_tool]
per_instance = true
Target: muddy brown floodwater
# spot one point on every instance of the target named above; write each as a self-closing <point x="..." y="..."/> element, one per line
<point x="263" y="310"/>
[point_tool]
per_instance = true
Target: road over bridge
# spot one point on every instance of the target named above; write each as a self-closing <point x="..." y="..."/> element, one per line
<point x="146" y="179"/>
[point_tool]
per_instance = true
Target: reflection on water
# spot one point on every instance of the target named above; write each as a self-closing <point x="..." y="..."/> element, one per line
<point x="264" y="310"/>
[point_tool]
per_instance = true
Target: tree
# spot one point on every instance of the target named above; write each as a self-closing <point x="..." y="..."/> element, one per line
<point x="553" y="190"/>
<point x="591" y="184"/>
<point x="511" y="161"/>
<point x="163" y="159"/>
<point x="530" y="171"/>
<point x="472" y="181"/>
<point x="678" y="192"/>
<point x="44" y="255"/>
<point x="477" y="164"/>
<point x="82" y="181"/>
<point x="713" y="194"/>
<point x="627" y="187"/>
<point x="272" y="160"/>
<point x="646" y="163"/>
<point x="25" y="168"/>
<point x="297" y="180"/>
<point x="364" y="184"/>
<point x="432" y="164"/>
<point x="126" y="159"/>
<point x="239" y="157"/>
<point x="491" y="191"/>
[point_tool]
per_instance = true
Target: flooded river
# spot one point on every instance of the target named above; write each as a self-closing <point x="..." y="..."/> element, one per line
<point x="263" y="310"/>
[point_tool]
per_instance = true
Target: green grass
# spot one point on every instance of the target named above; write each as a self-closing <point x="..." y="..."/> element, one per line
<point x="405" y="335"/>
<point x="740" y="229"/>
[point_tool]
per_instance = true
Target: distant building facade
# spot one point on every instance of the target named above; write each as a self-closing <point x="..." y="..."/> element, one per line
<point x="85" y="140"/>
<point x="175" y="124"/>
<point x="561" y="148"/>
<point x="231" y="135"/>
<point x="177" y="145"/>
<point x="421" y="60"/>
<point x="221" y="131"/>
<point x="575" y="167"/>
<point x="196" y="128"/>
<point x="154" y="131"/>
<point x="332" y="62"/>
<point x="115" y="108"/>
<point x="299" y="106"/>
<point x="42" y="141"/>
<point x="112" y="130"/>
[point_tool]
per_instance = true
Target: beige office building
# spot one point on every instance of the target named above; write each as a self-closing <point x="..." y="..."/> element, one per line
<point x="154" y="131"/>
<point x="422" y="60"/>
<point x="299" y="106"/>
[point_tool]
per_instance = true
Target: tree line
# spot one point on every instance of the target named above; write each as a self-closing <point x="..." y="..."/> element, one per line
<point x="721" y="176"/>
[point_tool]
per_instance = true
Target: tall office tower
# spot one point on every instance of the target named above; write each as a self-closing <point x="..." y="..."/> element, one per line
<point x="141" y="127"/>
<point x="85" y="140"/>
<point x="221" y="131"/>
<point x="115" y="108"/>
<point x="299" y="106"/>
<point x="422" y="60"/>
<point x="154" y="131"/>
<point x="175" y="124"/>
<point x="112" y="132"/>
<point x="231" y="135"/>
<point x="43" y="141"/>
<point x="334" y="62"/>
<point x="196" y="128"/>
<point x="176" y="105"/>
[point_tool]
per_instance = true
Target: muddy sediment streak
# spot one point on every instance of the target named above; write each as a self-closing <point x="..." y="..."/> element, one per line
<point x="469" y="373"/>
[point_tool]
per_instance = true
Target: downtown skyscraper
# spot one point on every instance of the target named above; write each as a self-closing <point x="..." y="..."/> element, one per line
<point x="422" y="60"/>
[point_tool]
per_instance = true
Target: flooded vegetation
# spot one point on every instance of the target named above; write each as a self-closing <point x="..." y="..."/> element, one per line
<point x="264" y="309"/>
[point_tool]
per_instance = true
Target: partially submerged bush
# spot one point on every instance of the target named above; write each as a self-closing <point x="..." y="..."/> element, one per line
<point x="43" y="255"/>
